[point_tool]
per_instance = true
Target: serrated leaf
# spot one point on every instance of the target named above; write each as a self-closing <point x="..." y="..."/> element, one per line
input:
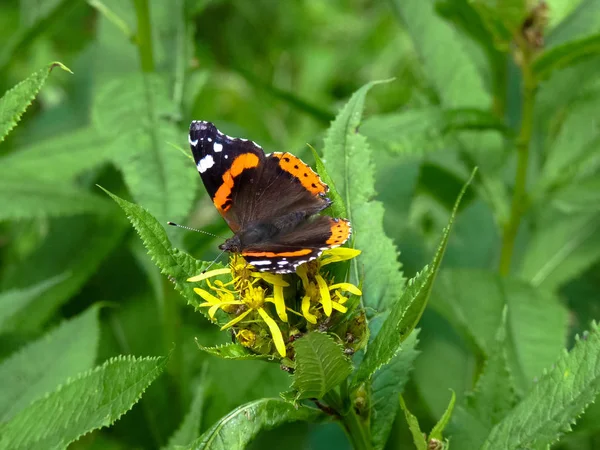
<point x="565" y="55"/>
<point x="536" y="323"/>
<point x="98" y="235"/>
<point x="438" y="429"/>
<point x="15" y="101"/>
<point x="413" y="426"/>
<point x="349" y="158"/>
<point x="405" y="315"/>
<point x="189" y="429"/>
<point x="26" y="198"/>
<point x="562" y="250"/>
<point x="320" y="365"/>
<point x="242" y="425"/>
<point x="16" y="301"/>
<point x="135" y="112"/>
<point x="93" y="400"/>
<point x="234" y="351"/>
<point x="58" y="159"/>
<point x="387" y="384"/>
<point x="43" y="364"/>
<point x="415" y="132"/>
<point x="177" y="265"/>
<point x="555" y="402"/>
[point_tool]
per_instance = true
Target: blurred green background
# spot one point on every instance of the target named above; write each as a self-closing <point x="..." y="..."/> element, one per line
<point x="277" y="72"/>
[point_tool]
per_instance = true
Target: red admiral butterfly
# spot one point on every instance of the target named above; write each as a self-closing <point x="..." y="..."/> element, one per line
<point x="270" y="201"/>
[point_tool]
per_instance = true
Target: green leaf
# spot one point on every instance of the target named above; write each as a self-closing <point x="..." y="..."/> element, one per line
<point x="15" y="101"/>
<point x="135" y="113"/>
<point x="349" y="158"/>
<point x="415" y="132"/>
<point x="408" y="310"/>
<point x="98" y="235"/>
<point x="234" y="351"/>
<point x="555" y="401"/>
<point x="42" y="365"/>
<point x="189" y="430"/>
<point x="502" y="18"/>
<point x="320" y="365"/>
<point x="581" y="22"/>
<point x="58" y="159"/>
<point x="562" y="250"/>
<point x="536" y="321"/>
<point x="565" y="55"/>
<point x="438" y="429"/>
<point x="177" y="265"/>
<point x="26" y="198"/>
<point x="387" y="384"/>
<point x="580" y="197"/>
<point x="16" y="301"/>
<point x="413" y="426"/>
<point x="338" y="207"/>
<point x="93" y="400"/>
<point x="240" y="426"/>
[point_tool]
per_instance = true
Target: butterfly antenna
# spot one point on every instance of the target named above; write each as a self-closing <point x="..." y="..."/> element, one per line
<point x="194" y="229"/>
<point x="213" y="261"/>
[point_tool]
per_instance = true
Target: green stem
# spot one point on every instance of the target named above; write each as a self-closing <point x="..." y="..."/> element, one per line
<point x="144" y="35"/>
<point x="519" y="199"/>
<point x="356" y="428"/>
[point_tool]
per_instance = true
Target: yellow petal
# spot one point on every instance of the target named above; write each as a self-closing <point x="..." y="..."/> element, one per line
<point x="210" y="274"/>
<point x="306" y="310"/>
<point x="279" y="302"/>
<point x="275" y="332"/>
<point x="207" y="296"/>
<point x="346" y="287"/>
<point x="338" y="307"/>
<point x="236" y="320"/>
<point x="325" y="297"/>
<point x="338" y="254"/>
<point x="271" y="278"/>
<point x="301" y="271"/>
<point x="213" y="310"/>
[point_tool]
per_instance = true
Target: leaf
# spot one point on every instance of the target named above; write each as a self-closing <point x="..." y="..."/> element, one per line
<point x="320" y="365"/>
<point x="536" y="322"/>
<point x="177" y="265"/>
<point x="502" y="18"/>
<point x="16" y="301"/>
<point x="349" y="158"/>
<point x="58" y="159"/>
<point x="419" y="131"/>
<point x="408" y="310"/>
<point x="93" y="400"/>
<point x="240" y="426"/>
<point x="443" y="63"/>
<point x="24" y="198"/>
<point x="413" y="426"/>
<point x="562" y="250"/>
<point x="234" y="351"/>
<point x="565" y="55"/>
<point x="555" y="402"/>
<point x="580" y="23"/>
<point x="15" y="101"/>
<point x="189" y="429"/>
<point x="42" y="365"/>
<point x="134" y="112"/>
<point x="580" y="197"/>
<point x="387" y="384"/>
<point x="98" y="235"/>
<point x="438" y="429"/>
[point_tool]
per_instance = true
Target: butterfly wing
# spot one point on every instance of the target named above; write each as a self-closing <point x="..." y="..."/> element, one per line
<point x="304" y="243"/>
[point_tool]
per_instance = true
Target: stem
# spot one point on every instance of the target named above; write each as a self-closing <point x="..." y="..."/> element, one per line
<point x="520" y="194"/>
<point x="356" y="428"/>
<point x="144" y="35"/>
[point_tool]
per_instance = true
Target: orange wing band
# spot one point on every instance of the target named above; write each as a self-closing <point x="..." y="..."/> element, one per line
<point x="242" y="162"/>
<point x="302" y="252"/>
<point x="340" y="232"/>
<point x="308" y="177"/>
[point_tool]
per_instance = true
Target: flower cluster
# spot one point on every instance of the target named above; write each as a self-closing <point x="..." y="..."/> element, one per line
<point x="259" y="301"/>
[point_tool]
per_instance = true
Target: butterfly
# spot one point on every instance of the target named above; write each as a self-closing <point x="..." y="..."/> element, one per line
<point x="270" y="201"/>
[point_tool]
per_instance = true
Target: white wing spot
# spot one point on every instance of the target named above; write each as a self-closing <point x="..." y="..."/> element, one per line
<point x="283" y="263"/>
<point x="217" y="147"/>
<point x="205" y="163"/>
<point x="209" y="139"/>
<point x="192" y="143"/>
<point x="265" y="262"/>
<point x="226" y="156"/>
